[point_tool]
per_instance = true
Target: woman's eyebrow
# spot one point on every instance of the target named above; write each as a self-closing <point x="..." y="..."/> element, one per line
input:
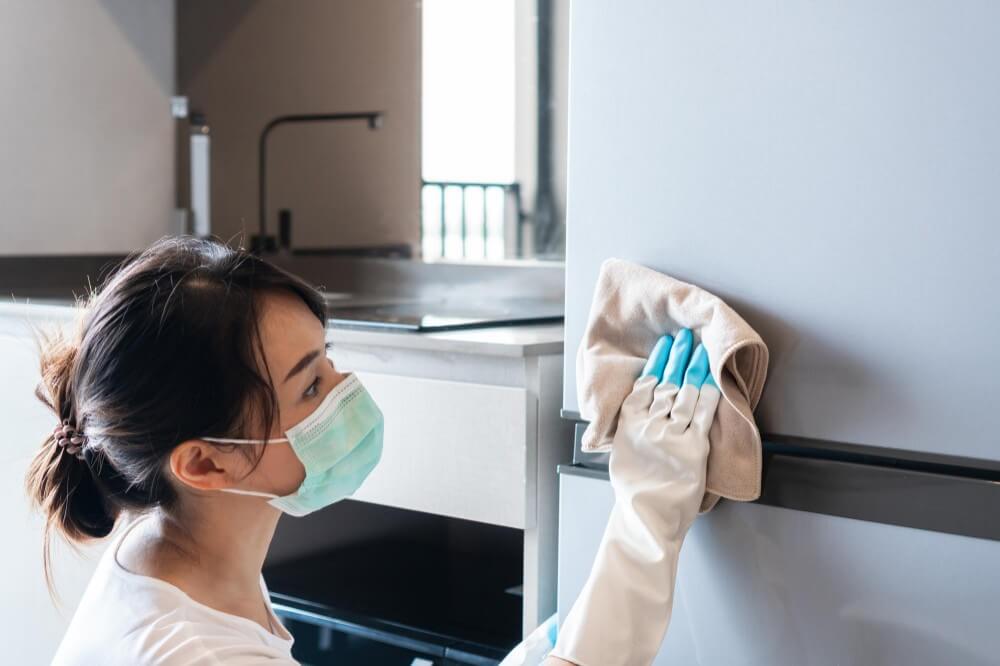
<point x="302" y="364"/>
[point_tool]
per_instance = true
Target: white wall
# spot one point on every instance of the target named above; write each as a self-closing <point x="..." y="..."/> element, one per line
<point x="88" y="141"/>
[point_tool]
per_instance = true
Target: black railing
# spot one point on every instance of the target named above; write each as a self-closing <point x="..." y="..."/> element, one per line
<point x="494" y="218"/>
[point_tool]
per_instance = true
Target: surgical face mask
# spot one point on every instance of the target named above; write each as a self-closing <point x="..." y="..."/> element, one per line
<point x="339" y="444"/>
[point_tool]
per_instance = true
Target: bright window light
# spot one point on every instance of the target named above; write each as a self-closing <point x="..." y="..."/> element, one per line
<point x="468" y="90"/>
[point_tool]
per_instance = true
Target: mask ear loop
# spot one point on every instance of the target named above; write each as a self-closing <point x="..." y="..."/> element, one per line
<point x="252" y="493"/>
<point x="227" y="440"/>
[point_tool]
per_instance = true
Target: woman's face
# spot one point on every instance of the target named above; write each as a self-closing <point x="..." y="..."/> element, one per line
<point x="294" y="346"/>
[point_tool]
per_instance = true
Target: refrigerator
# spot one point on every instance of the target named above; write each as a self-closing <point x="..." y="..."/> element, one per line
<point x="832" y="171"/>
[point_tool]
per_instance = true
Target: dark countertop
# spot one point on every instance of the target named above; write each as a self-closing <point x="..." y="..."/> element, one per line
<point x="61" y="280"/>
<point x="64" y="277"/>
<point x="53" y="277"/>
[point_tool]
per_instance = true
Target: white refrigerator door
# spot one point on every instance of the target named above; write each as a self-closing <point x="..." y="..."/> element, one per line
<point x="831" y="170"/>
<point x="763" y="585"/>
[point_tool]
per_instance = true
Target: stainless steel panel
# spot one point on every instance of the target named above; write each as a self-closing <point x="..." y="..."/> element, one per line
<point x="764" y="585"/>
<point x="830" y="170"/>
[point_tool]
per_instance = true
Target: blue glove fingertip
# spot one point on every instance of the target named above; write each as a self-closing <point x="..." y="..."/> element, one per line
<point x="658" y="358"/>
<point x="697" y="371"/>
<point x="680" y="353"/>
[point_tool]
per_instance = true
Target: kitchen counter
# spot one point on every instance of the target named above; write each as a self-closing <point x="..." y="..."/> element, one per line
<point x="508" y="341"/>
<point x="64" y="276"/>
<point x="51" y="283"/>
<point x="516" y="341"/>
<point x="21" y="317"/>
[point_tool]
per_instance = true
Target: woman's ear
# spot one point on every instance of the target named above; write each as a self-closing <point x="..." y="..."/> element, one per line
<point x="201" y="466"/>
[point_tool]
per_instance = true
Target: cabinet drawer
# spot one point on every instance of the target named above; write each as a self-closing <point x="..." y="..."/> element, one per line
<point x="454" y="449"/>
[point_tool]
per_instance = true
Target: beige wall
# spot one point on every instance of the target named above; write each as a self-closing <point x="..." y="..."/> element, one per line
<point x="243" y="62"/>
<point x="88" y="140"/>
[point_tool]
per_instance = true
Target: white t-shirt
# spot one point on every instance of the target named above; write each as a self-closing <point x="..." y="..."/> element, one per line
<point x="126" y="618"/>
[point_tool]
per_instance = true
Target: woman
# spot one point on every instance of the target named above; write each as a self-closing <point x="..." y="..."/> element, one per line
<point x="197" y="396"/>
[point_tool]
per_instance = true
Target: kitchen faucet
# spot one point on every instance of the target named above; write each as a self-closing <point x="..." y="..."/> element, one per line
<point x="374" y="119"/>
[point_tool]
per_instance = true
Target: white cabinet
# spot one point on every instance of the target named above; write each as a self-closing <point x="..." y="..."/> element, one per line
<point x="472" y="431"/>
<point x="454" y="449"/>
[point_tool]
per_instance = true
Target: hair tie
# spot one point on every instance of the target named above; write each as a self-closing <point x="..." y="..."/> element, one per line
<point x="70" y="439"/>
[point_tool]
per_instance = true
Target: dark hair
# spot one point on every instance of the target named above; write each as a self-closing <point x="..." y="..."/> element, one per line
<point x="168" y="349"/>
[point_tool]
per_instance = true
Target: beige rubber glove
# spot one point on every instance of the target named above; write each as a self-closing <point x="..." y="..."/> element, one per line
<point x="657" y="468"/>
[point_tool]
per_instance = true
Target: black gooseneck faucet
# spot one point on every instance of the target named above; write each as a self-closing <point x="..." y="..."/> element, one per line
<point x="374" y="119"/>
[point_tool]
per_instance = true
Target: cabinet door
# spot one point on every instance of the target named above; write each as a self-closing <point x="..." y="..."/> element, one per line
<point x="764" y="585"/>
<point x="454" y="448"/>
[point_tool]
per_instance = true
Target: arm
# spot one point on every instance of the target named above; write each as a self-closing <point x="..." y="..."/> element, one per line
<point x="657" y="468"/>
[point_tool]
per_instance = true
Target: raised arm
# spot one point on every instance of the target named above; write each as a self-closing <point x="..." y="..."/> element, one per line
<point x="657" y="468"/>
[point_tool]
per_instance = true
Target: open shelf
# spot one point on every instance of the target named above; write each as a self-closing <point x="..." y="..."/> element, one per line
<point x="432" y="585"/>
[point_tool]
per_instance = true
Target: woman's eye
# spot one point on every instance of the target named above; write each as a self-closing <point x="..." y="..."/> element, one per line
<point x="312" y="390"/>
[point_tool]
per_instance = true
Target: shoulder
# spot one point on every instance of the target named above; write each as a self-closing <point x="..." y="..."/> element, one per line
<point x="129" y="619"/>
<point x="183" y="642"/>
<point x="168" y="641"/>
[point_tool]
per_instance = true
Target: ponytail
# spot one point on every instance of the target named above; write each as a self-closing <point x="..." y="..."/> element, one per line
<point x="59" y="482"/>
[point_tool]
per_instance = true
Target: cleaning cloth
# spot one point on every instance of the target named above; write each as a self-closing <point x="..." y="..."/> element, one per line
<point x="634" y="306"/>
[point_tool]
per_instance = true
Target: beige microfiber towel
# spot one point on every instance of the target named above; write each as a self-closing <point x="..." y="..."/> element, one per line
<point x="633" y="307"/>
